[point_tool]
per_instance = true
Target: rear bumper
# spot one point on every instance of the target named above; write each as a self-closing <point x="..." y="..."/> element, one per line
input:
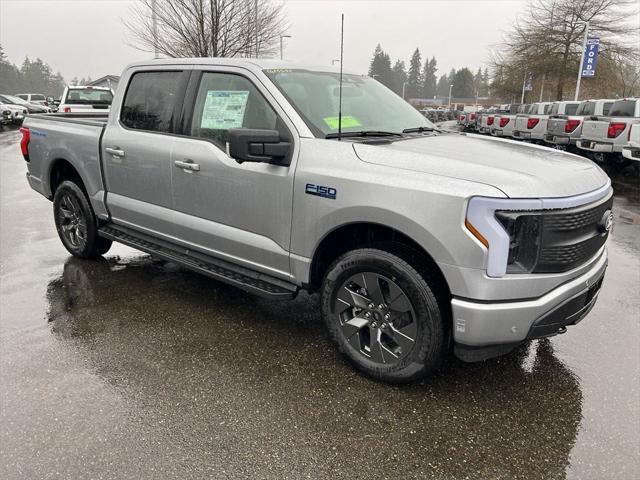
<point x="631" y="154"/>
<point x="559" y="139"/>
<point x="478" y="324"/>
<point x="597" y="146"/>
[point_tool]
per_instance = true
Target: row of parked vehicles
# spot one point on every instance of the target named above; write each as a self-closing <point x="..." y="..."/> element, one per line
<point x="74" y="99"/>
<point x="440" y="114"/>
<point x="605" y="130"/>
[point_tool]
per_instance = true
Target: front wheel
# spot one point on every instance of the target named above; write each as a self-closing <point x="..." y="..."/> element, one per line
<point x="76" y="223"/>
<point x="384" y="316"/>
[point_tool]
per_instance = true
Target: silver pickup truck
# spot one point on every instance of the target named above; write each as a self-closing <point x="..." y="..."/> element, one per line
<point x="419" y="241"/>
<point x="606" y="136"/>
<point x="564" y="130"/>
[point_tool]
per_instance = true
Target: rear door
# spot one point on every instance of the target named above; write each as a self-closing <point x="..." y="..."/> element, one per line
<point x="237" y="212"/>
<point x="136" y="150"/>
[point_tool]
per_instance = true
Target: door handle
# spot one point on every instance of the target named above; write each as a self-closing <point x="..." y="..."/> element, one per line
<point x="187" y="165"/>
<point x="115" y="151"/>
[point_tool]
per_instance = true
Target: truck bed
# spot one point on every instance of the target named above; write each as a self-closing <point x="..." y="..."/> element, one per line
<point x="66" y="137"/>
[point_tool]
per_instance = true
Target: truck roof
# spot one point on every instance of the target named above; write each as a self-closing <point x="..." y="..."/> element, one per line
<point x="255" y="64"/>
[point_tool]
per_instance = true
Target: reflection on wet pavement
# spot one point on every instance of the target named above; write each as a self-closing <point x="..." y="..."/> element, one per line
<point x="129" y="367"/>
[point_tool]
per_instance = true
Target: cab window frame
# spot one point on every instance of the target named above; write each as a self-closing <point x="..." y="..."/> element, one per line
<point x="176" y="116"/>
<point x="189" y="105"/>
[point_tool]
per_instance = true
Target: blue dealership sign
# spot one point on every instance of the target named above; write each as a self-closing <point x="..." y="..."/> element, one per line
<point x="590" y="57"/>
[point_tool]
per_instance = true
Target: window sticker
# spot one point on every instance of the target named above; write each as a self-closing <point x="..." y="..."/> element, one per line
<point x="224" y="109"/>
<point x="347" y="122"/>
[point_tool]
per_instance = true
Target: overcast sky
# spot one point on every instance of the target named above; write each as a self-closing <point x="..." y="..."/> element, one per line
<point x="83" y="38"/>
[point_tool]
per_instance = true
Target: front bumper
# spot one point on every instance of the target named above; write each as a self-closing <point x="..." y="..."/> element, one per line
<point x="485" y="324"/>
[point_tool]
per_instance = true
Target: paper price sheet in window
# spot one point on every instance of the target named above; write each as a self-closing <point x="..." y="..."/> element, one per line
<point x="224" y="109"/>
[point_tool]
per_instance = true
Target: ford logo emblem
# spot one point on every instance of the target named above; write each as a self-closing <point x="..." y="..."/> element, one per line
<point x="606" y="222"/>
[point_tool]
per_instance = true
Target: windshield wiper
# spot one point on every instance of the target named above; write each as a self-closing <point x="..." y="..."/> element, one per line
<point x="421" y="129"/>
<point x="363" y="133"/>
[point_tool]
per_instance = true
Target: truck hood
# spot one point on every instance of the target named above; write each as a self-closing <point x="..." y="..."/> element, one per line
<point x="520" y="170"/>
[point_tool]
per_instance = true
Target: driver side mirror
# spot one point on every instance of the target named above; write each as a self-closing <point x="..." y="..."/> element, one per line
<point x="261" y="146"/>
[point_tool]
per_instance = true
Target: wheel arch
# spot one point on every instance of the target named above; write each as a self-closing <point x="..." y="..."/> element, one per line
<point x="60" y="170"/>
<point x="350" y="236"/>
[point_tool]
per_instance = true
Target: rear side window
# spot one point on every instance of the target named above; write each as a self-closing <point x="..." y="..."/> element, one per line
<point x="571" y="108"/>
<point x="623" y="108"/>
<point x="150" y="101"/>
<point x="587" y="108"/>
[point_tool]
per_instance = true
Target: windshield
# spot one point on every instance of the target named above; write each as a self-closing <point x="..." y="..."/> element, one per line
<point x="14" y="100"/>
<point x="85" y="96"/>
<point x="367" y="105"/>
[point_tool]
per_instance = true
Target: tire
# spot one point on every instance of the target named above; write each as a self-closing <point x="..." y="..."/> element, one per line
<point x="76" y="223"/>
<point x="398" y="340"/>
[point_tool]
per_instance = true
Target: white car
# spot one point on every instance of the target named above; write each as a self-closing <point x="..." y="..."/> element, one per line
<point x="83" y="99"/>
<point x="37" y="98"/>
<point x="17" y="112"/>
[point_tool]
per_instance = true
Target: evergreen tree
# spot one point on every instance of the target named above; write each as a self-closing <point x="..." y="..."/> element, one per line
<point x="485" y="83"/>
<point x="463" y="84"/>
<point x="477" y="83"/>
<point x="414" y="80"/>
<point x="9" y="75"/>
<point x="380" y="67"/>
<point x="443" y="87"/>
<point x="429" y="79"/>
<point x="399" y="74"/>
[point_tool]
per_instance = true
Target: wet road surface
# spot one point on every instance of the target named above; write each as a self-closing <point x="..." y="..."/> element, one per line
<point x="135" y="368"/>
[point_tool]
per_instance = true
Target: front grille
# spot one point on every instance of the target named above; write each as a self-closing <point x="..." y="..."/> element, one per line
<point x="570" y="237"/>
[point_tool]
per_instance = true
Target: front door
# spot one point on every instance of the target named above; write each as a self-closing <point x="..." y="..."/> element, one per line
<point x="237" y="212"/>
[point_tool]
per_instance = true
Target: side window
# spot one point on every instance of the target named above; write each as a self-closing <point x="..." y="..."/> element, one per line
<point x="149" y="102"/>
<point x="606" y="107"/>
<point x="225" y="101"/>
<point x="570" y="108"/>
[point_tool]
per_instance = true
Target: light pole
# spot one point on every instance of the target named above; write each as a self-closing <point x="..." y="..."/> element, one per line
<point x="450" y="87"/>
<point x="256" y="6"/>
<point x="584" y="47"/>
<point x="281" y="37"/>
<point x="404" y="84"/>
<point x="154" y="20"/>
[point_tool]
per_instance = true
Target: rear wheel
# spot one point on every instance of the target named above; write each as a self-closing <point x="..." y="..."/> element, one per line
<point x="383" y="316"/>
<point x="76" y="223"/>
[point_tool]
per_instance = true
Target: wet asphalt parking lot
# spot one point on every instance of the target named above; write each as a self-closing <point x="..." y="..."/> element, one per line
<point x="130" y="367"/>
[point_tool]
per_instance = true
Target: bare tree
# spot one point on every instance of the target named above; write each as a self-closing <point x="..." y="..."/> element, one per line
<point x="207" y="28"/>
<point x="548" y="40"/>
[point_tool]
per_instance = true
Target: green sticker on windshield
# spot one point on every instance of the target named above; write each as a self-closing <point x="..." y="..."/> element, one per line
<point x="347" y="122"/>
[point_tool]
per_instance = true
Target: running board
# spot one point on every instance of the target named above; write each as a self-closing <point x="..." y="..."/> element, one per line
<point x="244" y="278"/>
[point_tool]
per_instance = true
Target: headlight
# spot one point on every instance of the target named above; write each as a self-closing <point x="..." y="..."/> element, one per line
<point x="524" y="230"/>
<point x="509" y="229"/>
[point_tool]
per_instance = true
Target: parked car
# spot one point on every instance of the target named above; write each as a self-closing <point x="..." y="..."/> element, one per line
<point x="532" y="124"/>
<point x="484" y="120"/>
<point x="30" y="107"/>
<point x="503" y="123"/>
<point x="606" y="136"/>
<point x="16" y="113"/>
<point x="631" y="150"/>
<point x="36" y="98"/>
<point x="78" y="99"/>
<point x="563" y="131"/>
<point x="255" y="186"/>
<point x="5" y="116"/>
